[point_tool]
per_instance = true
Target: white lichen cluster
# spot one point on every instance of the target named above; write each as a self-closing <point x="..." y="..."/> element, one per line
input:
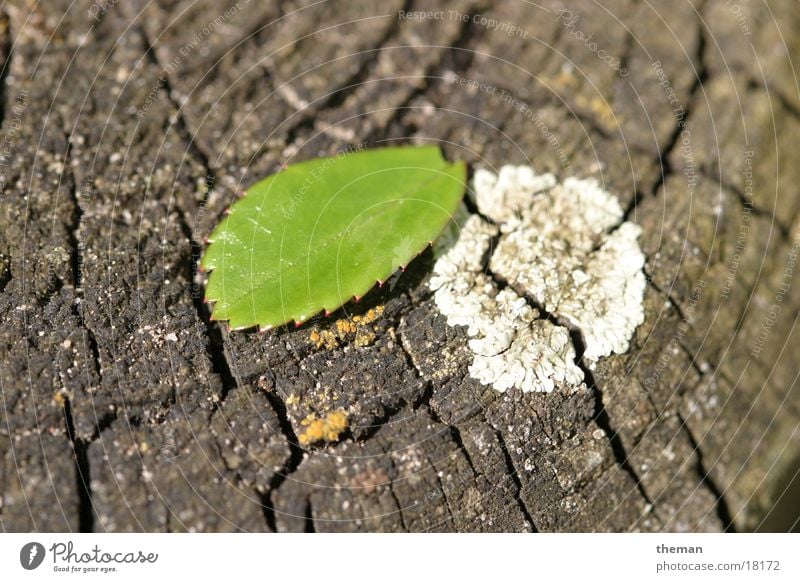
<point x="566" y="247"/>
<point x="512" y="345"/>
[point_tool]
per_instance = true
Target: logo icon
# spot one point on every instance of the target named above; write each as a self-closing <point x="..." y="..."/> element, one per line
<point x="31" y="555"/>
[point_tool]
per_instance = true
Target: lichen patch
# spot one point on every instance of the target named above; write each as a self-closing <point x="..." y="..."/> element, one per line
<point x="513" y="347"/>
<point x="503" y="196"/>
<point x="562" y="247"/>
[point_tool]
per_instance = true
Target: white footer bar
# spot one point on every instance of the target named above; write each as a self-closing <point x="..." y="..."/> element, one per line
<point x="382" y="557"/>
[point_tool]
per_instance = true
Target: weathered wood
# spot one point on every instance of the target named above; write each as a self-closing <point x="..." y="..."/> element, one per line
<point x="126" y="409"/>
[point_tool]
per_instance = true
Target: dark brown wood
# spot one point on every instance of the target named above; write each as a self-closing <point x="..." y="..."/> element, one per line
<point x="128" y="129"/>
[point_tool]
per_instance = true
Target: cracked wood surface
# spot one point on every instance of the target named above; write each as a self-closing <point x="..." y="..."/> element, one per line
<point x="125" y="409"/>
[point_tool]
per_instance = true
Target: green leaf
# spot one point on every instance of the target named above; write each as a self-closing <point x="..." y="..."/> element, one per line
<point x="322" y="232"/>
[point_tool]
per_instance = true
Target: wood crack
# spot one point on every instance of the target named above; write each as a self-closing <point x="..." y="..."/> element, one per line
<point x="296" y="456"/>
<point x="74" y="229"/>
<point x="5" y="276"/>
<point x="601" y="416"/>
<point x="393" y="493"/>
<point x="512" y="472"/>
<point x="702" y="75"/>
<point x="337" y="97"/>
<point x="455" y="435"/>
<point x="460" y="55"/>
<point x="7" y="48"/>
<point x="80" y="447"/>
<point x="215" y="346"/>
<point x="723" y="511"/>
<point x="180" y="123"/>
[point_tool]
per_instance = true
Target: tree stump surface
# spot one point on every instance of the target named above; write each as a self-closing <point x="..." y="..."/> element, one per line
<point x="128" y="130"/>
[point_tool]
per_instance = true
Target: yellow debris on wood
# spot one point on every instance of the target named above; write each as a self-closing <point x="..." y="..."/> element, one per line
<point x="369" y="317"/>
<point x="364" y="338"/>
<point x="323" y="429"/>
<point x="324" y="338"/>
<point x="346" y="330"/>
<point x="344" y="326"/>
